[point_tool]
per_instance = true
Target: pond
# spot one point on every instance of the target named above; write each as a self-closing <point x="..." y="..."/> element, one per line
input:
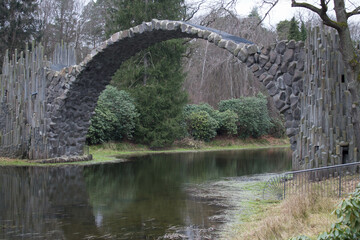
<point x="158" y="196"/>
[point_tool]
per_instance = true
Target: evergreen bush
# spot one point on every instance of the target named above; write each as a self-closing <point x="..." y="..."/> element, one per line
<point x="227" y="122"/>
<point x="115" y="117"/>
<point x="201" y="125"/>
<point x="253" y="115"/>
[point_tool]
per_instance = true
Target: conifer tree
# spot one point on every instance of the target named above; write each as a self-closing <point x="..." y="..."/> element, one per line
<point x="303" y="32"/>
<point x="294" y="32"/>
<point x="154" y="76"/>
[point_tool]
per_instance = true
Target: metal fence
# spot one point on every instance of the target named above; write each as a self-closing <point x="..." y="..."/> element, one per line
<point x="333" y="181"/>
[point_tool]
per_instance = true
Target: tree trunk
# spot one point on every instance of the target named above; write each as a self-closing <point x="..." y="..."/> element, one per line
<point x="351" y="65"/>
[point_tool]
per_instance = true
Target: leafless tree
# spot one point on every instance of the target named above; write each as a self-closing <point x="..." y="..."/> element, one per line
<point x="212" y="73"/>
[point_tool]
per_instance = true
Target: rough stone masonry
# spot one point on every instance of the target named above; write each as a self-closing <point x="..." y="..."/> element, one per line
<point x="45" y="111"/>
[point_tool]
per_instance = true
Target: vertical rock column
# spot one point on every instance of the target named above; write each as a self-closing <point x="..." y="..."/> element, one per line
<point x="326" y="129"/>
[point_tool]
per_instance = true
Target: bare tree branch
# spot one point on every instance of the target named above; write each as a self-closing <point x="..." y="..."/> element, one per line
<point x="273" y="4"/>
<point x="194" y="11"/>
<point x="320" y="11"/>
<point x="354" y="12"/>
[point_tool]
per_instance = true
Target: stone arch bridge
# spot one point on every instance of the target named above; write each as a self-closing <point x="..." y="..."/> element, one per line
<point x="46" y="107"/>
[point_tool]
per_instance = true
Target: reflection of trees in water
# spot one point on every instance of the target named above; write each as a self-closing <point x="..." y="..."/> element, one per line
<point x="40" y="202"/>
<point x="142" y="197"/>
<point x="147" y="191"/>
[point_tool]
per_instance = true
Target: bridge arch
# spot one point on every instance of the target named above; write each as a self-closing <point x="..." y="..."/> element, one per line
<point x="47" y="114"/>
<point x="279" y="67"/>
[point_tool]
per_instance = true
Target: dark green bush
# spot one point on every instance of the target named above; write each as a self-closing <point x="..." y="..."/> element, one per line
<point x="227" y="122"/>
<point x="190" y="108"/>
<point x="253" y="116"/>
<point x="201" y="125"/>
<point x="115" y="117"/>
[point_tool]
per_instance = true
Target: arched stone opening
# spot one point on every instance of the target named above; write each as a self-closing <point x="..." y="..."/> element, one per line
<point x="72" y="93"/>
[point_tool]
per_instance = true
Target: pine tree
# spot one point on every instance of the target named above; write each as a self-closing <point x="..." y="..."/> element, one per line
<point x="294" y="32"/>
<point x="282" y="29"/>
<point x="303" y="32"/>
<point x="17" y="25"/>
<point x="153" y="77"/>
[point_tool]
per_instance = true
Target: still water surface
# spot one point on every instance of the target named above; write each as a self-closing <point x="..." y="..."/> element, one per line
<point x="147" y="197"/>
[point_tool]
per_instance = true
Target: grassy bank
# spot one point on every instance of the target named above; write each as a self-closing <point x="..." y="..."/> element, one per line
<point x="301" y="215"/>
<point x="106" y="152"/>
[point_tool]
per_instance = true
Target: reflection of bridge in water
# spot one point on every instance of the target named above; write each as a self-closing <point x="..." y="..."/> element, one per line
<point x="46" y="113"/>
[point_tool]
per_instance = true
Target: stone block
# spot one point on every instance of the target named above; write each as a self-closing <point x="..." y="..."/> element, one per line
<point x="281" y="47"/>
<point x="291" y="44"/>
<point x="263" y="59"/>
<point x="284" y="67"/>
<point x="267" y="66"/>
<point x="278" y="102"/>
<point x="171" y="26"/>
<point x="259" y="72"/>
<point x="237" y="49"/>
<point x="298" y="75"/>
<point x="295" y="89"/>
<point x="265" y="50"/>
<point x="281" y="83"/>
<point x="278" y="60"/>
<point x="252" y="49"/>
<point x="222" y="43"/>
<point x="256" y="57"/>
<point x="297" y="114"/>
<point x="243" y="55"/>
<point x="288" y="55"/>
<point x="285" y="109"/>
<point x="292" y="67"/>
<point x="231" y="46"/>
<point x="273" y="69"/>
<point x="250" y="61"/>
<point x="262" y="77"/>
<point x="272" y="89"/>
<point x="255" y="68"/>
<point x="268" y="79"/>
<point x="211" y="37"/>
<point x="294" y="99"/>
<point x="205" y="34"/>
<point x="290" y="132"/>
<point x="273" y="55"/>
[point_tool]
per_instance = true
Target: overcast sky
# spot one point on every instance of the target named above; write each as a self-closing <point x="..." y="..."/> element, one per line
<point x="283" y="10"/>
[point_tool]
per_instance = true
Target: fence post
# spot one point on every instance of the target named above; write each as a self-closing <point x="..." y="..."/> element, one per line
<point x="284" y="186"/>
<point x="340" y="183"/>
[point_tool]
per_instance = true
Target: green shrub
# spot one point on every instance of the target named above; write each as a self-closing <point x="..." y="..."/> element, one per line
<point x="102" y="125"/>
<point x="227" y="122"/>
<point x="115" y="117"/>
<point x="348" y="224"/>
<point x="201" y="125"/>
<point x="253" y="116"/>
<point x="190" y="108"/>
